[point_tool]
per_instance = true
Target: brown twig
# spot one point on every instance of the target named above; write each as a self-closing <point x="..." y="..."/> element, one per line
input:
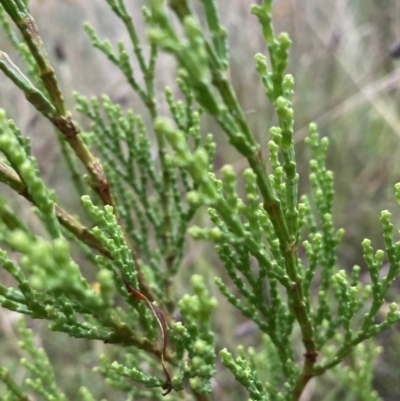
<point x="159" y="315"/>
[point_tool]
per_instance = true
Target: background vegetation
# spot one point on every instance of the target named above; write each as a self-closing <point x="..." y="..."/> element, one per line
<point x="345" y="81"/>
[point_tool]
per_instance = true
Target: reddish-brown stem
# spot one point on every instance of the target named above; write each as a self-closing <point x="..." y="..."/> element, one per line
<point x="159" y="315"/>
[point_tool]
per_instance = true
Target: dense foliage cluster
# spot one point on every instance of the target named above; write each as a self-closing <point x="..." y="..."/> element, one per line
<point x="137" y="208"/>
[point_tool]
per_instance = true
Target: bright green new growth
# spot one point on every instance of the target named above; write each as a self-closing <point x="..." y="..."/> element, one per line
<point x="139" y="205"/>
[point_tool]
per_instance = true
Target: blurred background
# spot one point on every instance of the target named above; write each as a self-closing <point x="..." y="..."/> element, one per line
<point x="345" y="80"/>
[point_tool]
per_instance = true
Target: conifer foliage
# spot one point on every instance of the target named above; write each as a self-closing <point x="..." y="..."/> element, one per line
<point x="137" y="210"/>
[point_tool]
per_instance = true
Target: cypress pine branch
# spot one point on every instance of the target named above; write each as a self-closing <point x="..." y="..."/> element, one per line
<point x="313" y="316"/>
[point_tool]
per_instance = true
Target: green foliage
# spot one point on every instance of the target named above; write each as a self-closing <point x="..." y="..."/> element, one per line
<point x="41" y="378"/>
<point x="139" y="203"/>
